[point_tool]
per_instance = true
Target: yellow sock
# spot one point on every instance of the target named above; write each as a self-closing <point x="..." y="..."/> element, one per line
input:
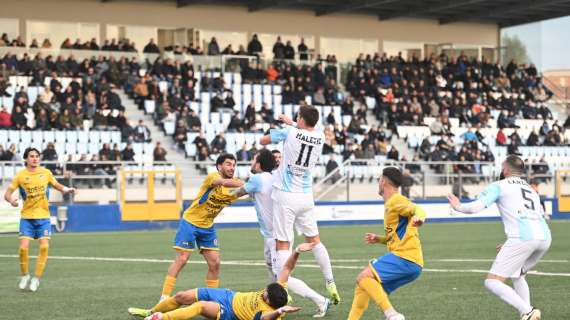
<point x="359" y="304"/>
<point x="166" y="305"/>
<point x="168" y="286"/>
<point x="42" y="260"/>
<point x="184" y="313"/>
<point x="24" y="261"/>
<point x="375" y="291"/>
<point x="213" y="283"/>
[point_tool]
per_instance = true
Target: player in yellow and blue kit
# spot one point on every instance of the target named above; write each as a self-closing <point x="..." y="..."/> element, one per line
<point x="33" y="184"/>
<point x="196" y="229"/>
<point x="224" y="304"/>
<point x="404" y="261"/>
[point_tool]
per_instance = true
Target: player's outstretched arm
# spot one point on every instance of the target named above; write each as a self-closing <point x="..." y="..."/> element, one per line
<point x="292" y="261"/>
<point x="9" y="198"/>
<point x="469" y="208"/>
<point x="279" y="312"/>
<point x="229" y="183"/>
<point x="63" y="189"/>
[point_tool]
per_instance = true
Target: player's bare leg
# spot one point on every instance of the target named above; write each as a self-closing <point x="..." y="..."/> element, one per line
<point x="323" y="260"/>
<point x="174" y="269"/>
<point x="212" y="258"/>
<point x="24" y="263"/>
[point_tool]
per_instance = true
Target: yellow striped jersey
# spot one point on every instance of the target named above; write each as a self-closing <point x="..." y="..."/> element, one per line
<point x="34" y="191"/>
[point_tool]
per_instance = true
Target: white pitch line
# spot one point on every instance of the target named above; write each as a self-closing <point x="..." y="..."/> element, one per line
<point x="262" y="263"/>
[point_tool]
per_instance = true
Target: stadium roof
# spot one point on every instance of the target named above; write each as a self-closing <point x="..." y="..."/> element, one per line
<point x="502" y="12"/>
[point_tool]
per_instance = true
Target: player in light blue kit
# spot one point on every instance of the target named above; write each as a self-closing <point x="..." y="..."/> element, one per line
<point x="260" y="187"/>
<point x="528" y="235"/>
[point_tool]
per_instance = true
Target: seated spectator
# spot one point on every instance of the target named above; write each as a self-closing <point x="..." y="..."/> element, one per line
<point x="219" y="143"/>
<point x="393" y="154"/>
<point x="142" y="132"/>
<point x="105" y="151"/>
<point x="516" y="138"/>
<point x="159" y="153"/>
<point x="469" y="135"/>
<point x="46" y="44"/>
<point x="244" y="154"/>
<point x="331" y="166"/>
<point x="10" y="154"/>
<point x="5" y="119"/>
<point x="128" y="154"/>
<point x="513" y="148"/>
<point x="236" y="123"/>
<point x="151" y="47"/>
<point x="501" y="138"/>
<point x="18" y="118"/>
<point x="229" y="102"/>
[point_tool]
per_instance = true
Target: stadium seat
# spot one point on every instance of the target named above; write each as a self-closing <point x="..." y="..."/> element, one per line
<point x="149" y="106"/>
<point x="14" y="136"/>
<point x="105" y="136"/>
<point x="3" y="136"/>
<point x="116" y="136"/>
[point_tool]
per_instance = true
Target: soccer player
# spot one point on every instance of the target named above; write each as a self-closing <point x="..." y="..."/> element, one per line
<point x="404" y="261"/>
<point x="293" y="203"/>
<point x="196" y="229"/>
<point x="277" y="155"/>
<point x="260" y="186"/>
<point x="528" y="235"/>
<point x="33" y="183"/>
<point x="225" y="304"/>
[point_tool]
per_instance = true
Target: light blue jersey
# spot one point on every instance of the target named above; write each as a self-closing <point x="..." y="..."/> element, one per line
<point x="259" y="186"/>
<point x="520" y="209"/>
<point x="301" y="151"/>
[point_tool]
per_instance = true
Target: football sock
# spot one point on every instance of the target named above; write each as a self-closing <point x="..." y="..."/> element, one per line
<point x="24" y="261"/>
<point x="375" y="291"/>
<point x="282" y="256"/>
<point x="508" y="295"/>
<point x="323" y="260"/>
<point x="212" y="283"/>
<point x="166" y="305"/>
<point x="359" y="304"/>
<point x="299" y="287"/>
<point x="521" y="288"/>
<point x="168" y="286"/>
<point x="42" y="260"/>
<point x="184" y="313"/>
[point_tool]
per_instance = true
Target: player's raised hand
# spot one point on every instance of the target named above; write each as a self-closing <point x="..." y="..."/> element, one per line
<point x="285" y="119"/>
<point x="453" y="200"/>
<point x="288" y="309"/>
<point x="371" y="238"/>
<point x="304" y="247"/>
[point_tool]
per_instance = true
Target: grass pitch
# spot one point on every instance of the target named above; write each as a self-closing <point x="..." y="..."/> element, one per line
<point x="100" y="275"/>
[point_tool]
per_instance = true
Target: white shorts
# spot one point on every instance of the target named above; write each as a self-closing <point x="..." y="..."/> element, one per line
<point x="293" y="210"/>
<point x="517" y="257"/>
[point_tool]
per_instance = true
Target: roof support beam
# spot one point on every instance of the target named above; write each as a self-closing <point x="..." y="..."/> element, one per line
<point x="352" y="5"/>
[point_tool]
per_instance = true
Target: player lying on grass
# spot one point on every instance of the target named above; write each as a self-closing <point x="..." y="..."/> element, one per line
<point x="404" y="261"/>
<point x="260" y="186"/>
<point x="224" y="304"/>
<point x="528" y="235"/>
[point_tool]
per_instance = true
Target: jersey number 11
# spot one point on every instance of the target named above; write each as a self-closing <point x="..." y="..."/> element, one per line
<point x="302" y="152"/>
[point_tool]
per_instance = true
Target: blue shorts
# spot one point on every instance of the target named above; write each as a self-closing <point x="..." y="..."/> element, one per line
<point x="394" y="271"/>
<point x="223" y="297"/>
<point x="189" y="236"/>
<point x="35" y="228"/>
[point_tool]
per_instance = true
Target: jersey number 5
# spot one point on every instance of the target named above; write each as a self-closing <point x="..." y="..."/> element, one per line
<point x="529" y="203"/>
<point x="302" y="152"/>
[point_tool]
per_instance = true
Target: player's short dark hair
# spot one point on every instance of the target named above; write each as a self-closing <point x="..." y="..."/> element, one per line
<point x="310" y="114"/>
<point x="275" y="151"/>
<point x="223" y="157"/>
<point x="515" y="164"/>
<point x="266" y="160"/>
<point x="277" y="295"/>
<point x="394" y="175"/>
<point x="30" y="149"/>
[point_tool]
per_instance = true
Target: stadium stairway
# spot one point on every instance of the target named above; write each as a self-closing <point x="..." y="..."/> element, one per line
<point x="174" y="154"/>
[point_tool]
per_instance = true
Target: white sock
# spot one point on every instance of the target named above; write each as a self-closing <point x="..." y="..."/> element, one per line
<point x="508" y="295"/>
<point x="322" y="256"/>
<point x="298" y="286"/>
<point x="521" y="288"/>
<point x="280" y="260"/>
<point x="390" y="312"/>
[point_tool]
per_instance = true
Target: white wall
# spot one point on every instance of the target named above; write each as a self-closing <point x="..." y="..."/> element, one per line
<point x="57" y="32"/>
<point x="346" y="50"/>
<point x="224" y="38"/>
<point x="10" y="27"/>
<point x="141" y="35"/>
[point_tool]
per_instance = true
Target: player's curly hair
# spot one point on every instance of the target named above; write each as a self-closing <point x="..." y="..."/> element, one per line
<point x="31" y="149"/>
<point x="277" y="295"/>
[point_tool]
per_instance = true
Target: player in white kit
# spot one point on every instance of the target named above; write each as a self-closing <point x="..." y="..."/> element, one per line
<point x="293" y="189"/>
<point x="528" y="235"/>
<point x="260" y="187"/>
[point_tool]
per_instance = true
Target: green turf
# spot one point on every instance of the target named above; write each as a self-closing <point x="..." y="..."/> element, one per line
<point x="73" y="289"/>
